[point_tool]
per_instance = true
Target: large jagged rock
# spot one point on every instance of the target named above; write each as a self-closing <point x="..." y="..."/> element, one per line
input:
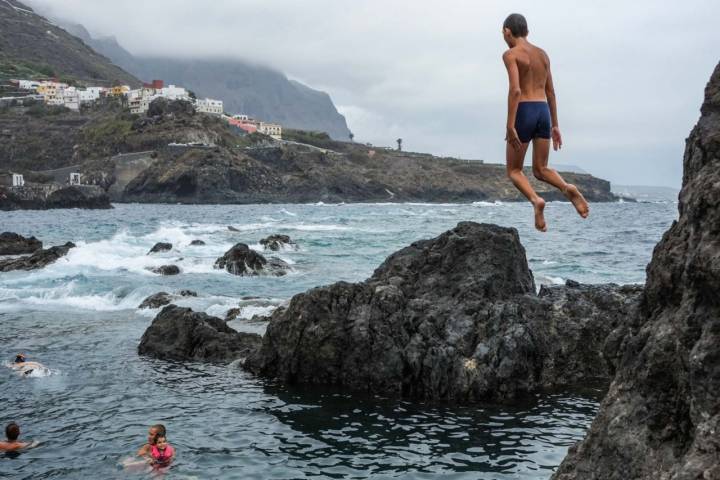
<point x="52" y="195"/>
<point x="454" y="317"/>
<point x="14" y="244"/>
<point x="661" y="416"/>
<point x="160" y="299"/>
<point x="39" y="259"/>
<point x="180" y="334"/>
<point x="242" y="260"/>
<point x="166" y="270"/>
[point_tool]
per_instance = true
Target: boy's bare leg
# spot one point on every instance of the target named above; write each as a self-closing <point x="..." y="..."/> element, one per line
<point x="514" y="162"/>
<point x="541" y="153"/>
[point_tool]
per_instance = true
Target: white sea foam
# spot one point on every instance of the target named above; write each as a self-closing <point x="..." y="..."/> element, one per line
<point x="496" y="203"/>
<point x="287" y="212"/>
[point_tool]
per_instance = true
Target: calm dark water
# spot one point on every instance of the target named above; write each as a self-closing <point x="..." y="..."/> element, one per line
<point x="93" y="407"/>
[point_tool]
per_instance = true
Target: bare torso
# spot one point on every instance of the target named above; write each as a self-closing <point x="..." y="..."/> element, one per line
<point x="533" y="66"/>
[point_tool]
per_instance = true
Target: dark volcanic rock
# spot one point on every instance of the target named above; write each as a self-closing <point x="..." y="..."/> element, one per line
<point x="197" y="242"/>
<point x="14" y="244"/>
<point x="188" y="293"/>
<point x="276" y="242"/>
<point x="454" y="317"/>
<point x="232" y="314"/>
<point x="661" y="416"/>
<point x="180" y="334"/>
<point x="242" y="260"/>
<point x="156" y="300"/>
<point x="160" y="247"/>
<point x="49" y="196"/>
<point x="166" y="270"/>
<point x="39" y="259"/>
<point x="232" y="229"/>
<point x="163" y="106"/>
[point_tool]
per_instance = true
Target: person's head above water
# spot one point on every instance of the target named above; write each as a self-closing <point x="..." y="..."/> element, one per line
<point x="156" y="431"/>
<point x="12" y="431"/>
<point x="514" y="27"/>
<point x="19" y="358"/>
<point x="161" y="442"/>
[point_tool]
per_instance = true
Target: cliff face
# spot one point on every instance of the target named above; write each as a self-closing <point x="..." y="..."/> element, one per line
<point x="661" y="416"/>
<point x="254" y="90"/>
<point x="30" y="45"/>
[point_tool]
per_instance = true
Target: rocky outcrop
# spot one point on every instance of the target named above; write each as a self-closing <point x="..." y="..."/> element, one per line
<point x="661" y="416"/>
<point x="39" y="259"/>
<point x="160" y="299"/>
<point x="242" y="260"/>
<point x="160" y="247"/>
<point x="180" y="334"/>
<point x="277" y="242"/>
<point x="455" y="317"/>
<point x="166" y="270"/>
<point x="196" y="243"/>
<point x="51" y="195"/>
<point x="14" y="244"/>
<point x="156" y="300"/>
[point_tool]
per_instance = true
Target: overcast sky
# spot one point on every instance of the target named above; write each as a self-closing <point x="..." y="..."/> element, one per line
<point x="629" y="75"/>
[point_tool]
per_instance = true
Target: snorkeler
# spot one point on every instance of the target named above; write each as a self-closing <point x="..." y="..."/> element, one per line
<point x="532" y="115"/>
<point x="12" y="432"/>
<point x="22" y="366"/>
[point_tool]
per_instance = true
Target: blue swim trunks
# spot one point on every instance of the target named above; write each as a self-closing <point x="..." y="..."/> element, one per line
<point x="532" y="121"/>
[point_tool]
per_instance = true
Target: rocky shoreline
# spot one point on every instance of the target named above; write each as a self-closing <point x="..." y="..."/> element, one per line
<point x="51" y="196"/>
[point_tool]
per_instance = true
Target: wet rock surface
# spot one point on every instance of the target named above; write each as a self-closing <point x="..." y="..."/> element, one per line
<point x="14" y="244"/>
<point x="166" y="270"/>
<point x="161" y="247"/>
<point x="195" y="243"/>
<point x="156" y="300"/>
<point x="39" y="259"/>
<point x="661" y="416"/>
<point x="180" y="334"/>
<point x="242" y="260"/>
<point x="160" y="299"/>
<point x="277" y="242"/>
<point x="454" y="317"/>
<point x="50" y="196"/>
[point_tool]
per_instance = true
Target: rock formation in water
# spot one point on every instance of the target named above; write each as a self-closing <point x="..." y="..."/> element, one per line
<point x="180" y="334"/>
<point x="277" y="242"/>
<point x="14" y="244"/>
<point x="242" y="260"/>
<point x="661" y="416"/>
<point x="39" y="259"/>
<point x="160" y="299"/>
<point x="160" y="247"/>
<point x="454" y="317"/>
<point x="196" y="243"/>
<point x="166" y="270"/>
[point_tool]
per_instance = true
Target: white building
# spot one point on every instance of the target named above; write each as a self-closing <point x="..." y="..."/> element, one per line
<point x="174" y="93"/>
<point x="74" y="179"/>
<point x="28" y="84"/>
<point x="18" y="180"/>
<point x="71" y="99"/>
<point x="208" y="105"/>
<point x="272" y="129"/>
<point x="244" y="118"/>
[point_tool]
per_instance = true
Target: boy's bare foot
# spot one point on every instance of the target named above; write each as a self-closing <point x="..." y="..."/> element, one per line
<point x="539" y="206"/>
<point x="573" y="194"/>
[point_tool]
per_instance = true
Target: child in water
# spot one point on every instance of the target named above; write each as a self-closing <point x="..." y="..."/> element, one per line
<point x="161" y="452"/>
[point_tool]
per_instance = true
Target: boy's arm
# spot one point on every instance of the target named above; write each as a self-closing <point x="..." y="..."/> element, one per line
<point x="552" y="104"/>
<point x="514" y="93"/>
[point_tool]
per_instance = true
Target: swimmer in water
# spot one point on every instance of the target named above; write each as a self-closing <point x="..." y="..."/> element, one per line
<point x="532" y="117"/>
<point x="161" y="452"/>
<point x="12" y="432"/>
<point x="23" y="366"/>
<point x="153" y="433"/>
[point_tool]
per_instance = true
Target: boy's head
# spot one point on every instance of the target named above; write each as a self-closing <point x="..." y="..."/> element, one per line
<point x="515" y="26"/>
<point x="154" y="432"/>
<point x="12" y="431"/>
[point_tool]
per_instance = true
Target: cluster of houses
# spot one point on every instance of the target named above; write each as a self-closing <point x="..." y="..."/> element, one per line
<point x="138" y="100"/>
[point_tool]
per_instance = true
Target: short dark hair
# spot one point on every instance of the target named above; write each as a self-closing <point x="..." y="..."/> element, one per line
<point x="12" y="431"/>
<point x="517" y="25"/>
<point x="159" y="429"/>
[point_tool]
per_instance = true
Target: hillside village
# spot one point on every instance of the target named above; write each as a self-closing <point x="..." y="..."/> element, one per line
<point x="18" y="92"/>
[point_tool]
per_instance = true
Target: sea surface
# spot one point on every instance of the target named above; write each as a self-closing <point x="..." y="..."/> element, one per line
<point x="91" y="408"/>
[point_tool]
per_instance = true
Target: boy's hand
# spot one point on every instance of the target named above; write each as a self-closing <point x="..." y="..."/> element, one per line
<point x="556" y="138"/>
<point x="511" y="136"/>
